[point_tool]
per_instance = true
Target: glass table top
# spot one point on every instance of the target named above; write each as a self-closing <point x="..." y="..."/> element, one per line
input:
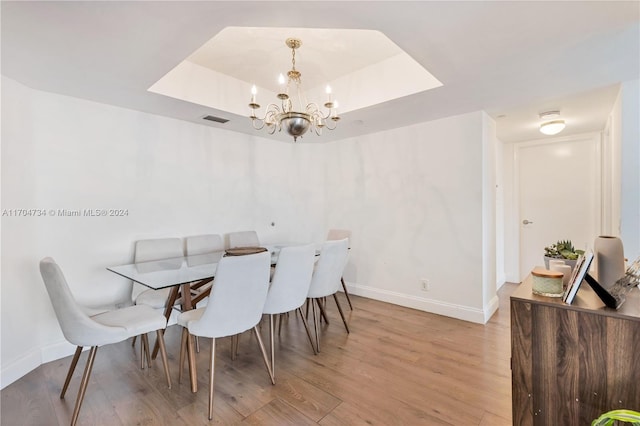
<point x="170" y="272"/>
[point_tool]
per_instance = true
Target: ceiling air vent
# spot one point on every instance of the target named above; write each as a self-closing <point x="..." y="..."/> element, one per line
<point x="216" y="119"/>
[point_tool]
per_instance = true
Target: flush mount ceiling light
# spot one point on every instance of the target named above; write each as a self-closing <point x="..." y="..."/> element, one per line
<point x="295" y="122"/>
<point x="552" y="127"/>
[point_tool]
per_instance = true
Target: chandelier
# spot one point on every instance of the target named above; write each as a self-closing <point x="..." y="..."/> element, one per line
<point x="295" y="122"/>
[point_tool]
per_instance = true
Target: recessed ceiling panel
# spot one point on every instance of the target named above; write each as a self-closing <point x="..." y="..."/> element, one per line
<point x="363" y="67"/>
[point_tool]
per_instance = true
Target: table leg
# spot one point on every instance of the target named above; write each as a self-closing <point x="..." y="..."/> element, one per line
<point x="185" y="289"/>
<point x="186" y="297"/>
<point x="186" y="306"/>
<point x="173" y="295"/>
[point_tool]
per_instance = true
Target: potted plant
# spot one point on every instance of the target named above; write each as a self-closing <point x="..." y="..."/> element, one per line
<point x="562" y="250"/>
<point x="614" y="417"/>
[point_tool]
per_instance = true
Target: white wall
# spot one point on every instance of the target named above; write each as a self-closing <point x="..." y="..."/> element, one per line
<point x="630" y="196"/>
<point x="489" y="208"/>
<point x="413" y="198"/>
<point x="511" y="219"/>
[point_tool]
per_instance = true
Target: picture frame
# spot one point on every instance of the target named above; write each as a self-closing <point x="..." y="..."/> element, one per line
<point x="579" y="273"/>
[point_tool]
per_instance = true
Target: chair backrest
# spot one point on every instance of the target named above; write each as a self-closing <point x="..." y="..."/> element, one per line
<point x="291" y="279"/>
<point x="201" y="244"/>
<point x="76" y="325"/>
<point x="328" y="271"/>
<point x="237" y="296"/>
<point x="243" y="239"/>
<point x="339" y="234"/>
<point x="157" y="249"/>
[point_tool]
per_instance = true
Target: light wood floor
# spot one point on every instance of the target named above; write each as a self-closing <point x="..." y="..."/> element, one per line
<point x="397" y="367"/>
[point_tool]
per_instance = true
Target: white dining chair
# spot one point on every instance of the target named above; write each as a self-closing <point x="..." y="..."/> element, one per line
<point x="235" y="305"/>
<point x="339" y="234"/>
<point x="289" y="288"/>
<point x="325" y="281"/>
<point x="203" y="244"/>
<point x="150" y="250"/>
<point x="99" y="330"/>
<point x="197" y="245"/>
<point x="243" y="239"/>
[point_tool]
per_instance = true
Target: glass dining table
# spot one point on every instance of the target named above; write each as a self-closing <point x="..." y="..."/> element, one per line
<point x="181" y="275"/>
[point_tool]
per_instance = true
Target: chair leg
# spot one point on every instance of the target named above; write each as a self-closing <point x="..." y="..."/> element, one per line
<point x="141" y="354"/>
<point x="306" y="327"/>
<point x="133" y="341"/>
<point x="264" y="355"/>
<point x="280" y="323"/>
<point x="335" y="297"/>
<point x="272" y="347"/>
<point x="145" y="341"/>
<point x="316" y="320"/>
<point x="237" y="346"/>
<point x="83" y="384"/>
<point x="183" y="350"/>
<point x="72" y="368"/>
<point x="192" y="364"/>
<point x="346" y="293"/>
<point x="307" y="308"/>
<point x="234" y="351"/>
<point x="322" y="311"/>
<point x="197" y="345"/>
<point x="212" y="365"/>
<point x="163" y="354"/>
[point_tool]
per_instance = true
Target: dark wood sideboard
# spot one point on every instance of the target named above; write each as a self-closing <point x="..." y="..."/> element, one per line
<point x="571" y="363"/>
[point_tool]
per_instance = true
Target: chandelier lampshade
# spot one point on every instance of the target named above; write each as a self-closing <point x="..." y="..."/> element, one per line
<point x="284" y="116"/>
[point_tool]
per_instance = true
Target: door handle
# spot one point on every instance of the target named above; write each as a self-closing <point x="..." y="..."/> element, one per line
<point x="526" y="222"/>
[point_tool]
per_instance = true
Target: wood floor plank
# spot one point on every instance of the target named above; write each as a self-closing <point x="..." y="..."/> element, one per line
<point x="398" y="366"/>
<point x="278" y="413"/>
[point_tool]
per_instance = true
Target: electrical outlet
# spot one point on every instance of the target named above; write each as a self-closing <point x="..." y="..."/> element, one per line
<point x="425" y="285"/>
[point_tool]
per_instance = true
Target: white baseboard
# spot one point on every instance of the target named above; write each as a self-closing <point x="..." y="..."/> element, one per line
<point x="57" y="350"/>
<point x="18" y="368"/>
<point x="33" y="359"/>
<point x="491" y="308"/>
<point x="465" y="313"/>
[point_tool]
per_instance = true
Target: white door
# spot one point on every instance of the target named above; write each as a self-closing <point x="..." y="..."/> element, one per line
<point x="559" y="195"/>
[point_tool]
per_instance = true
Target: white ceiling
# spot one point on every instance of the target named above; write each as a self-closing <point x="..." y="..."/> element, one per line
<point x="221" y="73"/>
<point x="507" y="58"/>
<point x="325" y="54"/>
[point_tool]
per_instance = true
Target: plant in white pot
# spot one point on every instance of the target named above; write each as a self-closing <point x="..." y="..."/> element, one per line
<point x="562" y="250"/>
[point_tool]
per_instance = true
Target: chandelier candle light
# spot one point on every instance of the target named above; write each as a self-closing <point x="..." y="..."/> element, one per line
<point x="285" y="116"/>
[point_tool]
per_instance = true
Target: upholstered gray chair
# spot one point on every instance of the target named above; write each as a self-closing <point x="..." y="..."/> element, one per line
<point x="237" y="299"/>
<point x="339" y="234"/>
<point x="289" y="287"/>
<point x="243" y="239"/>
<point x="202" y="244"/>
<point x="148" y="251"/>
<point x="326" y="280"/>
<point x="156" y="249"/>
<point x="102" y="329"/>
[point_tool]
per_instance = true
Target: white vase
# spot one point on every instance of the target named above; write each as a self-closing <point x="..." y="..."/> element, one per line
<point x="609" y="257"/>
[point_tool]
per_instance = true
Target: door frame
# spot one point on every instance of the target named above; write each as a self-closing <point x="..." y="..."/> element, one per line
<point x="514" y="222"/>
